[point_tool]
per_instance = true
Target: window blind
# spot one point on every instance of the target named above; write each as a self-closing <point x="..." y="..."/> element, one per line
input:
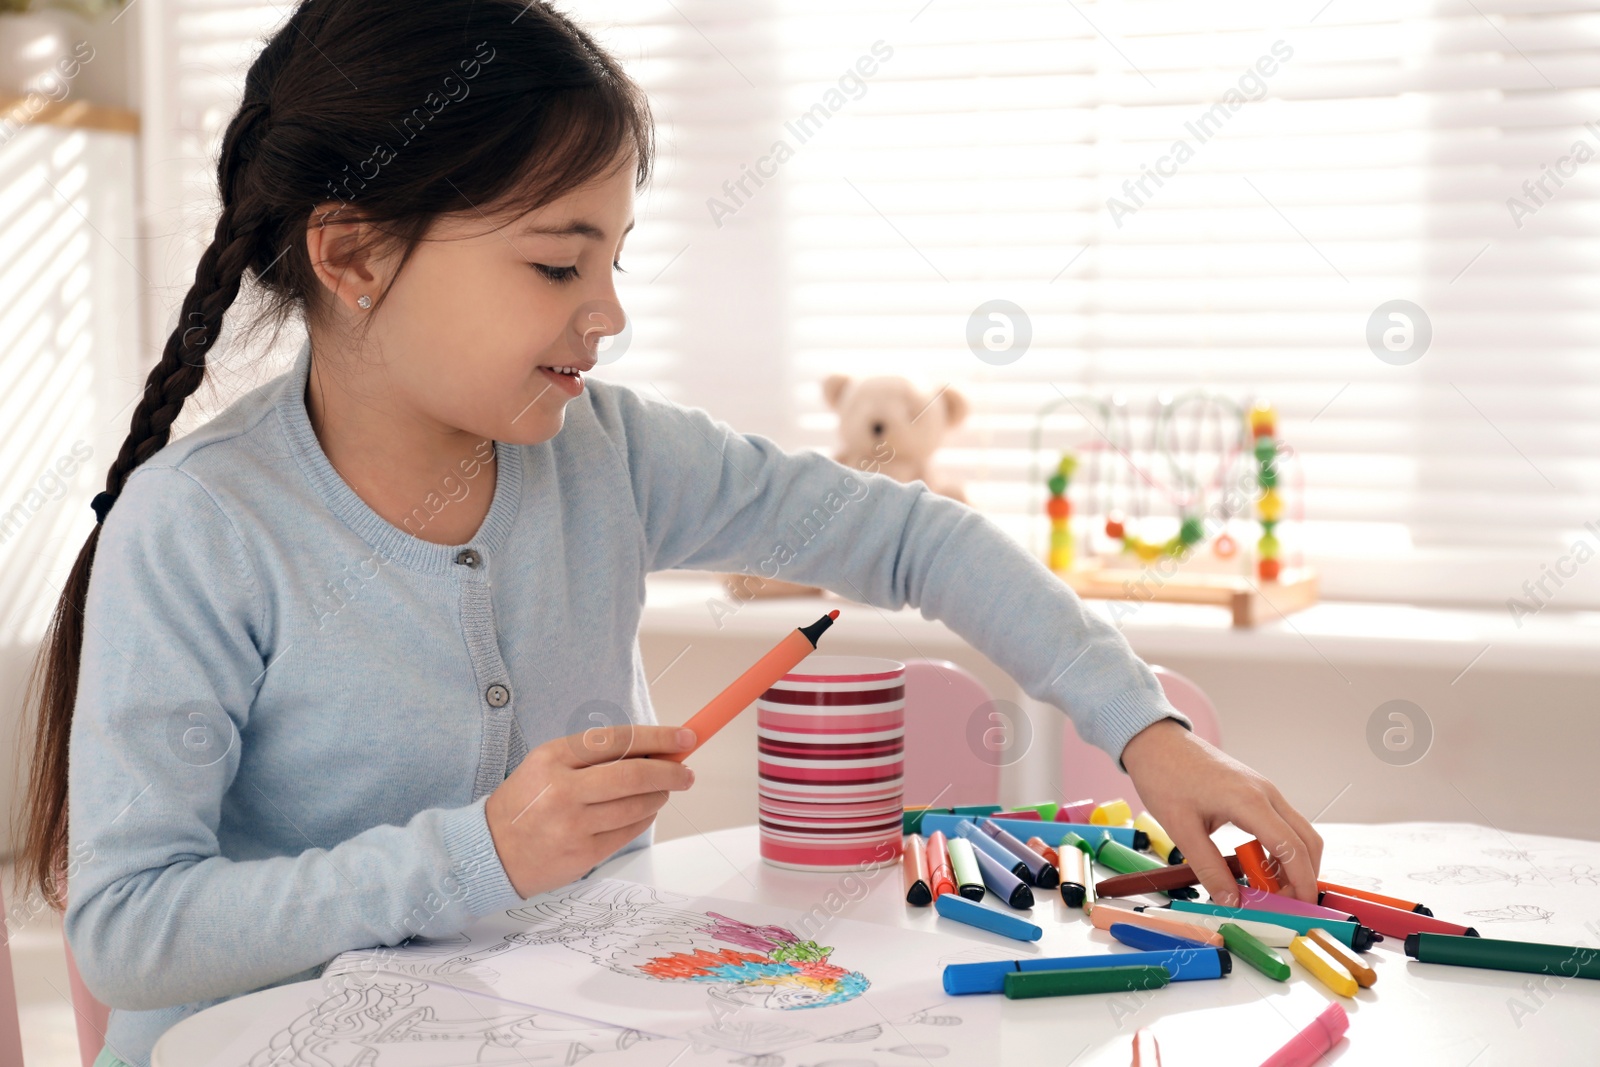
<point x="1220" y="197"/>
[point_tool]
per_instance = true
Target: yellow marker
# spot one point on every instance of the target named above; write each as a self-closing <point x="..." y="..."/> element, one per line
<point x="1162" y="845"/>
<point x="1329" y="971"/>
<point x="1112" y="813"/>
<point x="1348" y="958"/>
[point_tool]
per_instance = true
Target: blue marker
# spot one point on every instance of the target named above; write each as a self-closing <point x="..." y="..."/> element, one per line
<point x="963" y="910"/>
<point x="1186" y="965"/>
<point x="1005" y="885"/>
<point x="1051" y="833"/>
<point x="982" y="842"/>
<point x="1154" y="940"/>
<point x="1041" y="872"/>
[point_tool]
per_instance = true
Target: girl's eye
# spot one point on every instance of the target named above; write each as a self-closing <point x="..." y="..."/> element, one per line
<point x="562" y="274"/>
<point x="557" y="274"/>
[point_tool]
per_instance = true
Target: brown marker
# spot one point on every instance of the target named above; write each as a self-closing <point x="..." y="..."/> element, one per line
<point x="1177" y="876"/>
<point x="1363" y="974"/>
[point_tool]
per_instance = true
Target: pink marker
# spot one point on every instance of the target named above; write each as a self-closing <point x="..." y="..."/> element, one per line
<point x="1307" y="1047"/>
<point x="1078" y="811"/>
<point x="1250" y="897"/>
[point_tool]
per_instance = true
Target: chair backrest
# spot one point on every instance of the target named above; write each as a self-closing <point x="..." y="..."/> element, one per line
<point x="942" y="699"/>
<point x="10" y="1021"/>
<point x="91" y="1015"/>
<point x="1087" y="772"/>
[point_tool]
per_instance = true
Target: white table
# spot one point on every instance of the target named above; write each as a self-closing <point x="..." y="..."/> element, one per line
<point x="1515" y="886"/>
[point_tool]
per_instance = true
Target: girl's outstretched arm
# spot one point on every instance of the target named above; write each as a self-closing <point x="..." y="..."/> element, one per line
<point x="711" y="498"/>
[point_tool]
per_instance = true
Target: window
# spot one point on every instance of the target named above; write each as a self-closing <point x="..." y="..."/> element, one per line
<point x="1223" y="196"/>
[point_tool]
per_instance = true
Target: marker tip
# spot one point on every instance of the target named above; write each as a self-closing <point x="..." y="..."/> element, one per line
<point x="834" y="614"/>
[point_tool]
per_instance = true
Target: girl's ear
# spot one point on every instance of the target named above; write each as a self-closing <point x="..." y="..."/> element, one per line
<point x="334" y="242"/>
<point x="833" y="388"/>
<point x="955" y="408"/>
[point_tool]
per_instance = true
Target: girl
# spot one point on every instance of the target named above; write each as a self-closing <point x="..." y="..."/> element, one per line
<point x="357" y="660"/>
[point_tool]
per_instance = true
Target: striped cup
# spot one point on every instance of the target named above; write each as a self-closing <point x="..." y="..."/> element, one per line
<point x="831" y="740"/>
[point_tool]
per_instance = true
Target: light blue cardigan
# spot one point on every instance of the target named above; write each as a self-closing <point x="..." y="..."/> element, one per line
<point x="290" y="711"/>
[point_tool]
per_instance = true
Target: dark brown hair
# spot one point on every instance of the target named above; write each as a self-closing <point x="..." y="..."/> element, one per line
<point x="401" y="111"/>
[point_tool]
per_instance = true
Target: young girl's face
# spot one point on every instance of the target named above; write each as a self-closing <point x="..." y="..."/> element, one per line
<point x="488" y="305"/>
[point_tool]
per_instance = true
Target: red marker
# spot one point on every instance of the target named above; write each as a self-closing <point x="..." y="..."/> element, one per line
<point x="1393" y="922"/>
<point x="761" y="676"/>
<point x="1376" y="898"/>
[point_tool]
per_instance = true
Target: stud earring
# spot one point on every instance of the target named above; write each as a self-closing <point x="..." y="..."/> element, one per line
<point x="364" y="301"/>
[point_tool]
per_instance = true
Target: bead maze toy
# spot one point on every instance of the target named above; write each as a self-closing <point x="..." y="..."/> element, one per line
<point x="1167" y="497"/>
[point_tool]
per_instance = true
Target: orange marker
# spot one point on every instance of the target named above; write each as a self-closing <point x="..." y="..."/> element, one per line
<point x="1146" y="1053"/>
<point x="1254" y="862"/>
<point x="761" y="676"/>
<point x="1358" y="968"/>
<point x="1104" y="915"/>
<point x="1044" y="850"/>
<point x="941" y="879"/>
<point x="1376" y="898"/>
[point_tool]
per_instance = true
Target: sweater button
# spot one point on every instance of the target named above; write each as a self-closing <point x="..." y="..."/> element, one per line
<point x="468" y="557"/>
<point x="497" y="695"/>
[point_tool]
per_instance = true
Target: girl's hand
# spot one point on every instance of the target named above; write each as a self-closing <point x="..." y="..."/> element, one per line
<point x="1191" y="788"/>
<point x="575" y="800"/>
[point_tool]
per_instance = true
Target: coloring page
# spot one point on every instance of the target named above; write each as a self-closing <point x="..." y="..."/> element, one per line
<point x="744" y="977"/>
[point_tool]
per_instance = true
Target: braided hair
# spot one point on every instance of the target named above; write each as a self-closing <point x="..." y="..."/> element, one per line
<point x="396" y="112"/>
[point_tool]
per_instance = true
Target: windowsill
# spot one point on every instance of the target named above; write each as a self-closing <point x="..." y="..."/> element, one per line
<point x="1373" y="633"/>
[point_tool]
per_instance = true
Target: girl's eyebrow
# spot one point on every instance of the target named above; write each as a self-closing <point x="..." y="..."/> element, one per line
<point x="577" y="227"/>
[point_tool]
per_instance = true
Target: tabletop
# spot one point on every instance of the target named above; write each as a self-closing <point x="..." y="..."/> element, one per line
<point x="1507" y="885"/>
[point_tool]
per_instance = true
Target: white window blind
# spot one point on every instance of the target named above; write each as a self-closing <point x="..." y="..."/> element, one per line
<point x="1370" y="158"/>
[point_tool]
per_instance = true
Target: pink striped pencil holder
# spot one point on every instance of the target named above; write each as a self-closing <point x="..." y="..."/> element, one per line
<point x="831" y="737"/>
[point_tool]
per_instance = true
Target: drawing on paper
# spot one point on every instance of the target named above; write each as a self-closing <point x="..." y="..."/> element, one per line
<point x="405" y="1023"/>
<point x="1472" y="874"/>
<point x="629" y="929"/>
<point x="1513" y="913"/>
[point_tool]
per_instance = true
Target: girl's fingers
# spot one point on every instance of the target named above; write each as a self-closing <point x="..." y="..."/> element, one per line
<point x="1308" y="834"/>
<point x="1201" y="854"/>
<point x="610" y="815"/>
<point x="630" y="777"/>
<point x="607" y="744"/>
<point x="1288" y="851"/>
<point x="612" y="840"/>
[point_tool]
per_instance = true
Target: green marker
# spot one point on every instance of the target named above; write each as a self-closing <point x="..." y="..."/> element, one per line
<point x="1124" y="860"/>
<point x="1355" y="935"/>
<point x="1064" y="983"/>
<point x="1242" y="942"/>
<point x="1070" y="838"/>
<point x="969" y="880"/>
<point x="1557" y="960"/>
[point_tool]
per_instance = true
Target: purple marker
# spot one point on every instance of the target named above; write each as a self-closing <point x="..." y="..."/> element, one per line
<point x="1251" y="897"/>
<point x="1044" y="873"/>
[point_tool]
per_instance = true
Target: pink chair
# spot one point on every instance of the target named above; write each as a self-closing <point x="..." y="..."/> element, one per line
<point x="10" y="1022"/>
<point x="1087" y="772"/>
<point x="941" y="768"/>
<point x="92" y="1016"/>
